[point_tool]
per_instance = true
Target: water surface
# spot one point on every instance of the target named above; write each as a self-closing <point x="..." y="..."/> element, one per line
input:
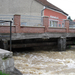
<point x="46" y="62"/>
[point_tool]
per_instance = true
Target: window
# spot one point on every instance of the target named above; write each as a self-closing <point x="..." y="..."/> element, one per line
<point x="53" y="23"/>
<point x="63" y="25"/>
<point x="59" y="25"/>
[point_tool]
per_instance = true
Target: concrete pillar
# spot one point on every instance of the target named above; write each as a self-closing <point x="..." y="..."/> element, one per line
<point x="46" y="22"/>
<point x="62" y="44"/>
<point x="4" y="44"/>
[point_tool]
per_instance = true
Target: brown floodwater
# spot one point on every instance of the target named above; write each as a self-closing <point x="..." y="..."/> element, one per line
<point x="46" y="62"/>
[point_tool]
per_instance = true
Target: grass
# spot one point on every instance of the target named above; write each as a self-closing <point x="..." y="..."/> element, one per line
<point x="5" y="58"/>
<point x="2" y="73"/>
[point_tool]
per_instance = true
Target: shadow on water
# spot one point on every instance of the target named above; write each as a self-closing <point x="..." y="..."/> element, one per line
<point x="35" y="49"/>
<point x="27" y="49"/>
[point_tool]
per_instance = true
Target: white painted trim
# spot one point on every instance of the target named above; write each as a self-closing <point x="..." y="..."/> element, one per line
<point x="6" y="25"/>
<point x="33" y="26"/>
<point x="56" y="11"/>
<point x="58" y="27"/>
<point x="71" y="28"/>
<point x="54" y="17"/>
<point x="53" y="20"/>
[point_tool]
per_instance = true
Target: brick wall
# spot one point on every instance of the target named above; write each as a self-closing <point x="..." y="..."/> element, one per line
<point x="71" y="30"/>
<point x="61" y="30"/>
<point x="6" y="29"/>
<point x="26" y="29"/>
<point x="17" y="28"/>
<point x="55" y="29"/>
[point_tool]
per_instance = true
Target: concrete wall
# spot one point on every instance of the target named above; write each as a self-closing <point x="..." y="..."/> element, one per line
<point x="6" y="61"/>
<point x="22" y="7"/>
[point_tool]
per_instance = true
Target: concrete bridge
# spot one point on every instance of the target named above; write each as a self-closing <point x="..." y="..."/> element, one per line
<point x="42" y="31"/>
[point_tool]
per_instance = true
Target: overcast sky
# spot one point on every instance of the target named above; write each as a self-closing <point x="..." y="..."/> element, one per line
<point x="67" y="6"/>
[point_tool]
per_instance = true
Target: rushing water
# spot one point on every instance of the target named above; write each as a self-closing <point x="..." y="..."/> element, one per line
<point x="46" y="62"/>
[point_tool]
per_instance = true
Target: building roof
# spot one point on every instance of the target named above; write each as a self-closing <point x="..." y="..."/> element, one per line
<point x="51" y="6"/>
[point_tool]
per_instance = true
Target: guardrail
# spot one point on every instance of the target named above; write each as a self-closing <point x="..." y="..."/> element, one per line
<point x="6" y="18"/>
<point x="71" y="24"/>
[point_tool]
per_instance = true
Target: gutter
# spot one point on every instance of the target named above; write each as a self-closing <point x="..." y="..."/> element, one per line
<point x="42" y="15"/>
<point x="52" y="8"/>
<point x="42" y="11"/>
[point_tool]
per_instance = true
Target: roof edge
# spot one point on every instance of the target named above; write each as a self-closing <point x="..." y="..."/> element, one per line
<point x="52" y="8"/>
<point x="57" y="10"/>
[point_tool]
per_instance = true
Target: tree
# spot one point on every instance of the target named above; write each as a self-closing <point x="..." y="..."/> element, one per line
<point x="69" y="18"/>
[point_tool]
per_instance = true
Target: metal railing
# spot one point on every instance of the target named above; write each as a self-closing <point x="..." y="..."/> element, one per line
<point x="6" y="18"/>
<point x="31" y="20"/>
<point x="71" y="24"/>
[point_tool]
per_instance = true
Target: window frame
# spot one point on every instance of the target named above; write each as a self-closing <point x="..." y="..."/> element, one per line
<point x="54" y="21"/>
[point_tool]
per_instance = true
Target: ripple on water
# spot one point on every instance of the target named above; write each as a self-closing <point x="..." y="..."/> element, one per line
<point x="46" y="63"/>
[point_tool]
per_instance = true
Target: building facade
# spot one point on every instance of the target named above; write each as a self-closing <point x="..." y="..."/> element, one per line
<point x="56" y="18"/>
<point x="28" y="9"/>
<point x="21" y="7"/>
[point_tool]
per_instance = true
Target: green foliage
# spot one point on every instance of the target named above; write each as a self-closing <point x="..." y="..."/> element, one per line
<point x="5" y="58"/>
<point x="69" y="18"/>
<point x="74" y="42"/>
<point x="2" y="73"/>
<point x="69" y="46"/>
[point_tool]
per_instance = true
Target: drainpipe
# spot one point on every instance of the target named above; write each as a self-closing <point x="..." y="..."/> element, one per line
<point x="42" y="15"/>
<point x="42" y="11"/>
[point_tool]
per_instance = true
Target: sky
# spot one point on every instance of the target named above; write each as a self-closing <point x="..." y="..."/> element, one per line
<point x="67" y="6"/>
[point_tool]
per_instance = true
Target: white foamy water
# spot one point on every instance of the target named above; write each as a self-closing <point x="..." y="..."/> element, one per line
<point x="46" y="62"/>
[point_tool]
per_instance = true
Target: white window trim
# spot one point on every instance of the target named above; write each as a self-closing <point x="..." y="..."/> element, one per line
<point x="53" y="20"/>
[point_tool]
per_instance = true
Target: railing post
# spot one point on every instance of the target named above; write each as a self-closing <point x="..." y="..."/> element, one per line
<point x="46" y="22"/>
<point x="67" y="25"/>
<point x="17" y="22"/>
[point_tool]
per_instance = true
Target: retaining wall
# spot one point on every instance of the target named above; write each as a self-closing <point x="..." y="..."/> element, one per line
<point x="6" y="60"/>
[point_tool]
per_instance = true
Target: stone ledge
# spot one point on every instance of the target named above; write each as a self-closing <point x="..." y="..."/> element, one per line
<point x="6" y="60"/>
<point x="6" y="25"/>
<point x="5" y="54"/>
<point x="33" y="26"/>
<point x="58" y="27"/>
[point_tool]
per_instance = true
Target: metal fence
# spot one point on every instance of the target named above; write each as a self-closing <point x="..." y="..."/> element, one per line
<point x="27" y="20"/>
<point x="71" y="24"/>
<point x="6" y="18"/>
